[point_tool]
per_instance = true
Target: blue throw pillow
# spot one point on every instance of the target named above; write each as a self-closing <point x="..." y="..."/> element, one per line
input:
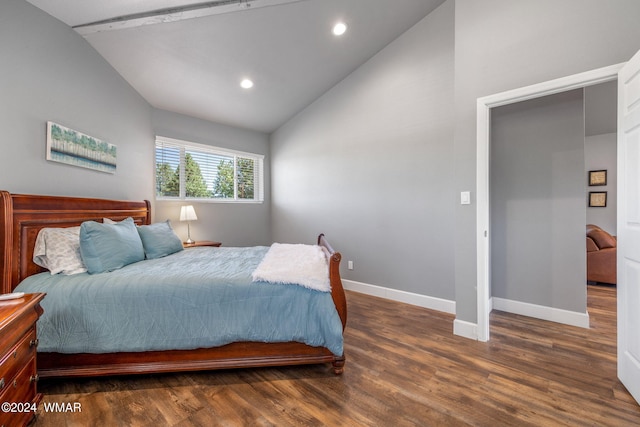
<point x="159" y="240"/>
<point x="107" y="247"/>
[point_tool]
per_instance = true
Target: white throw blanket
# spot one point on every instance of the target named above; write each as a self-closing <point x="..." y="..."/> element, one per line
<point x="304" y="265"/>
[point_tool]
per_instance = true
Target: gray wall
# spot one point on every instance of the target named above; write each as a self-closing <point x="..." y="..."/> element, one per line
<point x="601" y="108"/>
<point x="601" y="152"/>
<point x="233" y="224"/>
<point x="49" y="72"/>
<point x="505" y="44"/>
<point x="601" y="125"/>
<point x="537" y="202"/>
<point x="369" y="164"/>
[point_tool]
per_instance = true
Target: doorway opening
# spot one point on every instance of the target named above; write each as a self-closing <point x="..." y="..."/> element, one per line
<point x="541" y="153"/>
<point x="484" y="106"/>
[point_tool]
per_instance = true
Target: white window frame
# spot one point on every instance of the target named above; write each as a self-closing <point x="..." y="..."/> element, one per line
<point x="258" y="180"/>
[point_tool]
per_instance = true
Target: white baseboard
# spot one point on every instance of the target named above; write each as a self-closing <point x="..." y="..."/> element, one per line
<point x="572" y="318"/>
<point x="465" y="329"/>
<point x="424" y="301"/>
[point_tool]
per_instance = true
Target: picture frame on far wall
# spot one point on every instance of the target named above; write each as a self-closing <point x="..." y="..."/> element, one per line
<point x="597" y="199"/>
<point x="597" y="178"/>
<point x="74" y="148"/>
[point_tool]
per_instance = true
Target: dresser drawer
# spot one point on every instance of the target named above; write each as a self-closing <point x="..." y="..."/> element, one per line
<point x="16" y="358"/>
<point x="22" y="397"/>
<point x="18" y="379"/>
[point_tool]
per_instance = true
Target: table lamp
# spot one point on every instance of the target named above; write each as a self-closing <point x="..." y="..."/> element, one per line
<point x="187" y="213"/>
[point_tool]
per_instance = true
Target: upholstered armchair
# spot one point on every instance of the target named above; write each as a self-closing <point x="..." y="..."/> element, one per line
<point x="601" y="255"/>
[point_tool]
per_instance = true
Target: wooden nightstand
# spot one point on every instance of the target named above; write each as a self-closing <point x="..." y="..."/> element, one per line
<point x="18" y="374"/>
<point x="201" y="243"/>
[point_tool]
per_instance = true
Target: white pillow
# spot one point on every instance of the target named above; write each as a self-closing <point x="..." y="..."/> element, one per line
<point x="58" y="250"/>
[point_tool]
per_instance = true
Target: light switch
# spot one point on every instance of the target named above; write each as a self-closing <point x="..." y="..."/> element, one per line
<point x="465" y="198"/>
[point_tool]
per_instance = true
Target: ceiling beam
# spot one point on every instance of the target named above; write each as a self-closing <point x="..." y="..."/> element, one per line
<point x="175" y="14"/>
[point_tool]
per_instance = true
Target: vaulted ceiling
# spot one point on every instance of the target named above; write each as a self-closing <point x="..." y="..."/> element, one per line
<point x="189" y="56"/>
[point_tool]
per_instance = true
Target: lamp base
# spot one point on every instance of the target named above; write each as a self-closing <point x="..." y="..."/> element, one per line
<point x="189" y="241"/>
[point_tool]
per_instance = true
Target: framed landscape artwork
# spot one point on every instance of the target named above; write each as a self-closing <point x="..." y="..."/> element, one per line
<point x="68" y="146"/>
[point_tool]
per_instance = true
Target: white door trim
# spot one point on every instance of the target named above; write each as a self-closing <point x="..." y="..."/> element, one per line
<point x="483" y="139"/>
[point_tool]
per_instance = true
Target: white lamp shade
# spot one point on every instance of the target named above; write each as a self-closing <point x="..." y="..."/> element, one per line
<point x="187" y="213"/>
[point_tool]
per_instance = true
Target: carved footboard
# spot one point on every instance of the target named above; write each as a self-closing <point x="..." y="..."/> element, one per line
<point x="337" y="290"/>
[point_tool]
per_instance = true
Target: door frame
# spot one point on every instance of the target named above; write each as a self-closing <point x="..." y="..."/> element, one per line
<point x="483" y="141"/>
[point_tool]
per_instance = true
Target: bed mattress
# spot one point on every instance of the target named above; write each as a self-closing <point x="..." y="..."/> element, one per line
<point x="197" y="298"/>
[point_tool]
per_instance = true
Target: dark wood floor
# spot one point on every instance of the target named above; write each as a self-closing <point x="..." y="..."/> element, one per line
<point x="404" y="368"/>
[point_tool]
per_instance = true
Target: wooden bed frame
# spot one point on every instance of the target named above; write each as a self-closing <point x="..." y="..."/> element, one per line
<point x="22" y="216"/>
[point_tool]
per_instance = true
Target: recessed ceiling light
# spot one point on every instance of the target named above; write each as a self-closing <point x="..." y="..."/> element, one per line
<point x="246" y="83"/>
<point x="339" y="29"/>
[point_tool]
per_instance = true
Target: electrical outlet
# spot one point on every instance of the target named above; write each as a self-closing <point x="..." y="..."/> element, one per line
<point x="350" y="265"/>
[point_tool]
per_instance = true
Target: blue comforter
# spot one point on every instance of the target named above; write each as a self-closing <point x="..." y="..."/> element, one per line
<point x="196" y="298"/>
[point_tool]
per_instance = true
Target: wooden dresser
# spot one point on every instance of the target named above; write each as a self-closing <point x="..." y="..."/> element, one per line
<point x="18" y="377"/>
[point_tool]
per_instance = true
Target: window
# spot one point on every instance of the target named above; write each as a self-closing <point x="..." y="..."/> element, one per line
<point x="186" y="170"/>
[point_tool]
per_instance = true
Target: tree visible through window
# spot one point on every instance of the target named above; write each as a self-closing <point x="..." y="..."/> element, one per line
<point x="223" y="184"/>
<point x="195" y="185"/>
<point x="186" y="170"/>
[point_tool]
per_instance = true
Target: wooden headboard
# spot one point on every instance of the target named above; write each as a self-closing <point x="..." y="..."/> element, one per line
<point x="22" y="216"/>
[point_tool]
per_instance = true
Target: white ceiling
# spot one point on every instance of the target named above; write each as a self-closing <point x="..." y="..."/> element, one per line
<point x="194" y="66"/>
